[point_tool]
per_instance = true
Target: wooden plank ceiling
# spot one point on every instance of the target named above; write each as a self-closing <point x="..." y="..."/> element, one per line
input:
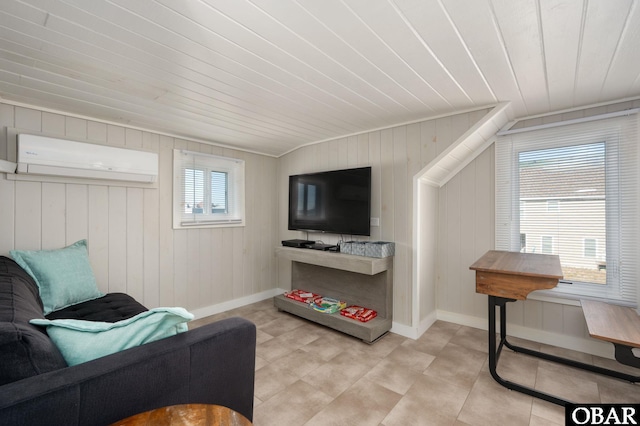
<point x="271" y="75"/>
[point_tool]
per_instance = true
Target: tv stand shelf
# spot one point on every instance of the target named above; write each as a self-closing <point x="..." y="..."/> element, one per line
<point x="357" y="280"/>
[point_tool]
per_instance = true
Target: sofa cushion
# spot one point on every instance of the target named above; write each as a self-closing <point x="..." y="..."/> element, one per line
<point x="111" y="307"/>
<point x="64" y="276"/>
<point x="19" y="298"/>
<point x="25" y="350"/>
<point x="81" y="341"/>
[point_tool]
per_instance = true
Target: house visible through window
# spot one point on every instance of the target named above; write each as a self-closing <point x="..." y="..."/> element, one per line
<point x="562" y="192"/>
<point x="572" y="190"/>
<point x="208" y="190"/>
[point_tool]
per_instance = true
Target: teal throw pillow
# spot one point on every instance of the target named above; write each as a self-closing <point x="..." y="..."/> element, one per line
<point x="81" y="341"/>
<point x="64" y="276"/>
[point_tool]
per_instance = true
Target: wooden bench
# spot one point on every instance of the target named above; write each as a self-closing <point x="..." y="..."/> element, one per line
<point x="616" y="324"/>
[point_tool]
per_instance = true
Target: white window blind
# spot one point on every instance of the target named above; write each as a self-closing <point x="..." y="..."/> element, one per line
<point x="572" y="190"/>
<point x="208" y="190"/>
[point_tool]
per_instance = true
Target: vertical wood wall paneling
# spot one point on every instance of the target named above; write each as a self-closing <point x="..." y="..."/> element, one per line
<point x="135" y="242"/>
<point x="7" y="119"/>
<point x="387" y="196"/>
<point x="455" y="286"/>
<point x="427" y="256"/>
<point x="28" y="232"/>
<point x="204" y="281"/>
<point x="28" y="119"/>
<point x="442" y="276"/>
<point x="237" y="248"/>
<point x="117" y="239"/>
<point x="165" y="216"/>
<point x="54" y="124"/>
<point x="53" y="215"/>
<point x="402" y="195"/>
<point x="7" y="216"/>
<point x="376" y="184"/>
<point x="452" y="230"/>
<point x="190" y="268"/>
<point x="132" y="245"/>
<point x="396" y="155"/>
<point x="483" y="222"/>
<point x="75" y="128"/>
<point x="151" y="233"/>
<point x="227" y="275"/>
<point x="469" y="205"/>
<point x="77" y="218"/>
<point x="414" y="164"/>
<point x="98" y="235"/>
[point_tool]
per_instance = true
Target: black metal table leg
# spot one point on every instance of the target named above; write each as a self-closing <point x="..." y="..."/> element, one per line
<point x="495" y="349"/>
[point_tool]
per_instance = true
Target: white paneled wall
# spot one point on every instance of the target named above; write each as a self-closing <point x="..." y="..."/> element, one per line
<point x="396" y="156"/>
<point x="467" y="227"/>
<point x="132" y="245"/>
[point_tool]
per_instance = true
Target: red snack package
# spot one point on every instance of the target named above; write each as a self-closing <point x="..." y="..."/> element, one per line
<point x="301" y="295"/>
<point x="359" y="313"/>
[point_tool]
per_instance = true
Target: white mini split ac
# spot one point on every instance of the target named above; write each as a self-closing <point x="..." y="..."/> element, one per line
<point x="50" y="156"/>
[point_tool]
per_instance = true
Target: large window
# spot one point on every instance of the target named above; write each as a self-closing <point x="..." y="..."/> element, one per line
<point x="572" y="190"/>
<point x="208" y="190"/>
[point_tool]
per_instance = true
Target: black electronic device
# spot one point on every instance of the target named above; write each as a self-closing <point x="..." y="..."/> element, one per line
<point x="337" y="201"/>
<point x="323" y="247"/>
<point x="297" y="243"/>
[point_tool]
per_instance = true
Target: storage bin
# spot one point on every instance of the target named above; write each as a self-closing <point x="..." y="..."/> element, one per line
<point x="368" y="248"/>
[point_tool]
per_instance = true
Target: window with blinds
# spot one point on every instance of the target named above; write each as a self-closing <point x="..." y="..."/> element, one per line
<point x="572" y="190"/>
<point x="208" y="190"/>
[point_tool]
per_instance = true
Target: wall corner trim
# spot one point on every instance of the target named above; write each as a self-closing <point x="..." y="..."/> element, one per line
<point x="468" y="146"/>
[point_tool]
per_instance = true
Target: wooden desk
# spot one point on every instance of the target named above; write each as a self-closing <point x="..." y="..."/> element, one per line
<point x="509" y="276"/>
<point x="187" y="415"/>
<point x="619" y="325"/>
<point x="515" y="275"/>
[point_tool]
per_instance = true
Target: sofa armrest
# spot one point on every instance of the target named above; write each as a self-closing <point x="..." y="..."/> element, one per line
<point x="212" y="364"/>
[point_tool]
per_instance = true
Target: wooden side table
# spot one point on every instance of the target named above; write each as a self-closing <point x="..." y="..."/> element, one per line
<point x="187" y="415"/>
<point x="509" y="276"/>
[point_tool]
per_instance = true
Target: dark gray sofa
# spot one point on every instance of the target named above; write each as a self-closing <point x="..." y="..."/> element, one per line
<point x="212" y="364"/>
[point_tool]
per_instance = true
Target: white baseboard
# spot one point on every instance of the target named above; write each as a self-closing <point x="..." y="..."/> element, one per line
<point x="414" y="332"/>
<point x="401" y="329"/>
<point x="235" y="303"/>
<point x="586" y="345"/>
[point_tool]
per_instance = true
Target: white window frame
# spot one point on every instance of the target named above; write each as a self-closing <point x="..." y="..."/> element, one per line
<point x="622" y="272"/>
<point x="233" y="167"/>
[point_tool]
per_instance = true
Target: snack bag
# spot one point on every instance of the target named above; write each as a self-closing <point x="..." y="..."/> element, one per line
<point x="327" y="305"/>
<point x="301" y="295"/>
<point x="359" y="313"/>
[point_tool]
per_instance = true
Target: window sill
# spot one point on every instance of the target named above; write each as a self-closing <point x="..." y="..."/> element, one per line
<point x="209" y="225"/>
<point x="555" y="296"/>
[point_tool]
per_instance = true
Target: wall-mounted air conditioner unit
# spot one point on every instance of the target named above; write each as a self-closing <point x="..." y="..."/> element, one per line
<point x="50" y="156"/>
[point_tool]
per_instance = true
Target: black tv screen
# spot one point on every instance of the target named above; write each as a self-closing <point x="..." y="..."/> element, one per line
<point x="337" y="202"/>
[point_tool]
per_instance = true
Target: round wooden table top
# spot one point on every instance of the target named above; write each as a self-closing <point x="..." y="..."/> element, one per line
<point x="187" y="415"/>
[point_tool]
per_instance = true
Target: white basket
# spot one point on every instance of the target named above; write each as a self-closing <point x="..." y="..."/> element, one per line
<point x="368" y="248"/>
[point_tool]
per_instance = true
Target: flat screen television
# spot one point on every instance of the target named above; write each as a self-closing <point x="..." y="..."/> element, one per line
<point x="337" y="201"/>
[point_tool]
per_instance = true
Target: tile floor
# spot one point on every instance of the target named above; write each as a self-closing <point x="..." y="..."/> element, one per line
<point x="307" y="374"/>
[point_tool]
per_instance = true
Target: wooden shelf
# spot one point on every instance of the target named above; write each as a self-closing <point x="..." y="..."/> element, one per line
<point x="368" y="331"/>
<point x="344" y="262"/>
<point x="357" y="280"/>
